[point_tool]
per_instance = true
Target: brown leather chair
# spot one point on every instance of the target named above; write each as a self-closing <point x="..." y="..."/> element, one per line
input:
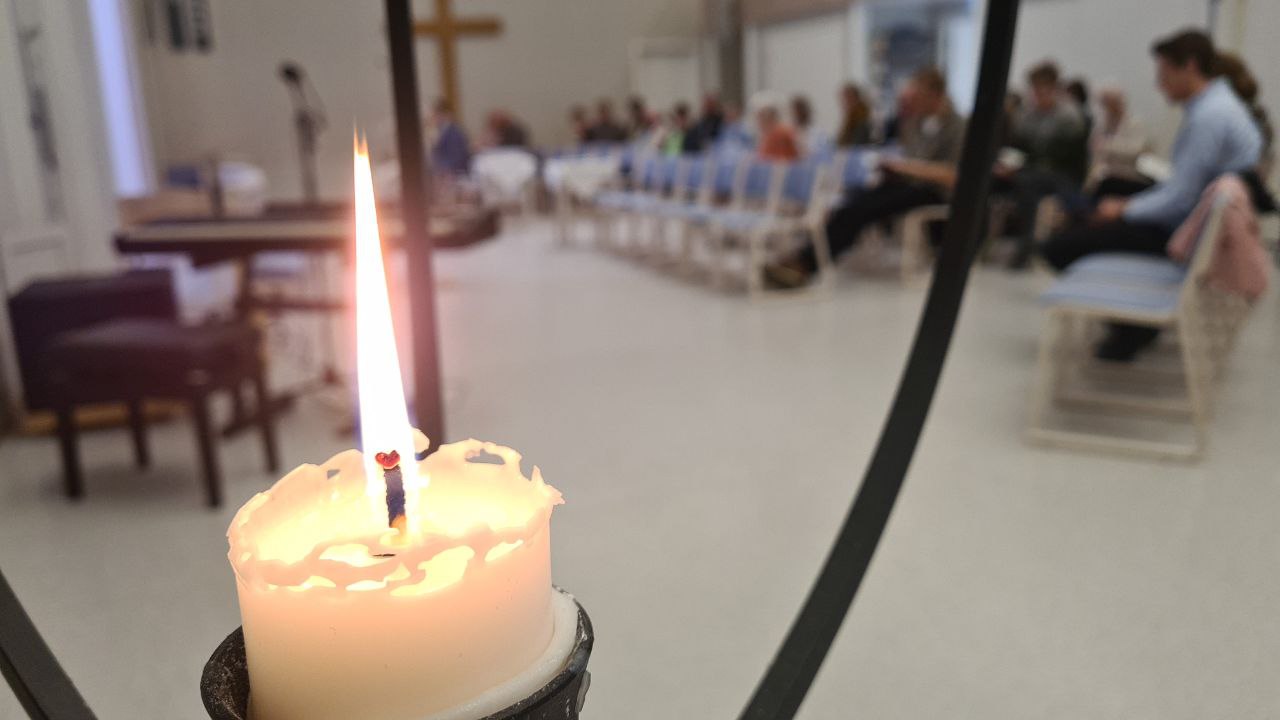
<point x="132" y="359"/>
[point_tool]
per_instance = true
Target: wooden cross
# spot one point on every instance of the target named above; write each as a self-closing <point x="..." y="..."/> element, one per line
<point x="446" y="28"/>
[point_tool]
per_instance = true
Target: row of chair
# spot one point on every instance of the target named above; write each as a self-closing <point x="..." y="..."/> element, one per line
<point x="718" y="205"/>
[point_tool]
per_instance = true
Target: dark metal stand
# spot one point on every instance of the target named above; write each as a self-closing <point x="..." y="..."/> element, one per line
<point x="37" y="680"/>
<point x="785" y="684"/>
<point x="224" y="687"/>
<point x="428" y="405"/>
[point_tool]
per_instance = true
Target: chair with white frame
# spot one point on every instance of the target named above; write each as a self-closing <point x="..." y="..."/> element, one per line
<point x="722" y="176"/>
<point x="646" y="174"/>
<point x="1140" y="290"/>
<point x="774" y="198"/>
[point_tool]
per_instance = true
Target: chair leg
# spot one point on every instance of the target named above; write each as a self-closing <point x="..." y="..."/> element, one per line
<point x="72" y="475"/>
<point x="755" y="263"/>
<point x="138" y="429"/>
<point x="238" y="412"/>
<point x="1198" y="380"/>
<point x="716" y="247"/>
<point x="266" y="420"/>
<point x="822" y="250"/>
<point x="1048" y="371"/>
<point x="208" y="454"/>
<point x="686" y="247"/>
<point x="562" y="218"/>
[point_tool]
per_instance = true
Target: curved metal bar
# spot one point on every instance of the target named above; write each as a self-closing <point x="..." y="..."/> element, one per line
<point x="787" y="681"/>
<point x="38" y="681"/>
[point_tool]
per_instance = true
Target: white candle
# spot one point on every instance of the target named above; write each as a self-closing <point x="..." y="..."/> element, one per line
<point x="348" y="614"/>
<point x="333" y="630"/>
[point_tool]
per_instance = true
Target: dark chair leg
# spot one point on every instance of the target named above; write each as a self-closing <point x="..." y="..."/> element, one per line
<point x="72" y="476"/>
<point x="266" y="420"/>
<point x="138" y="428"/>
<point x="208" y="454"/>
<point x="240" y="418"/>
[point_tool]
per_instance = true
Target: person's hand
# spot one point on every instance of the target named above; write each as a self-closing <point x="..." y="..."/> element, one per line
<point x="890" y="164"/>
<point x="1109" y="209"/>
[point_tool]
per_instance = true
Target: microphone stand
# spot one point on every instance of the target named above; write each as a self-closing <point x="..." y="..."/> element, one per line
<point x="309" y="120"/>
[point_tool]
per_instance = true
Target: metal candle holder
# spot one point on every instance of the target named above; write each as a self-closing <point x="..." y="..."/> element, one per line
<point x="224" y="685"/>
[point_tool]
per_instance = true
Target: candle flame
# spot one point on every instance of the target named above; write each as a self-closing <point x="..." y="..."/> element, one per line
<point x="384" y="418"/>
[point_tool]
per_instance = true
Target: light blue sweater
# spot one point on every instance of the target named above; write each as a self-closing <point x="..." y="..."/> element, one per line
<point x="1217" y="136"/>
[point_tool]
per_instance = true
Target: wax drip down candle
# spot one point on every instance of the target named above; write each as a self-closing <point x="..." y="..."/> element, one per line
<point x="380" y="585"/>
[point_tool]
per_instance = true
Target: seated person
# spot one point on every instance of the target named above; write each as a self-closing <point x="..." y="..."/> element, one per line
<point x="932" y="135"/>
<point x="1114" y="148"/>
<point x="735" y="133"/>
<point x="777" y="140"/>
<point x="855" y="128"/>
<point x="672" y="141"/>
<point x="504" y="131"/>
<point x="579" y="126"/>
<point x="606" y="128"/>
<point x="1077" y="90"/>
<point x="810" y="139"/>
<point x="450" y="150"/>
<point x="704" y="133"/>
<point x="1050" y="132"/>
<point x="1217" y="136"/>
<point x="638" y="118"/>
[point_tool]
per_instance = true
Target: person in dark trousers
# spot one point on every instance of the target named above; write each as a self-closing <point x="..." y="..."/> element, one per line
<point x="1217" y="136"/>
<point x="932" y="135"/>
<point x="1050" y="132"/>
<point x="707" y="129"/>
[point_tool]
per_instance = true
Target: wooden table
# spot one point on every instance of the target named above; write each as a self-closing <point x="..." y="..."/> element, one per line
<point x="210" y="240"/>
<point x="316" y="229"/>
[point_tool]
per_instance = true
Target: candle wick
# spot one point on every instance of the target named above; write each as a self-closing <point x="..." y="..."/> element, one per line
<point x="394" y="479"/>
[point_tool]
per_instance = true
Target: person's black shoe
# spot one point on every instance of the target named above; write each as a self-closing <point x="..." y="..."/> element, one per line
<point x="1114" y="350"/>
<point x="786" y="275"/>
<point x="1123" y="343"/>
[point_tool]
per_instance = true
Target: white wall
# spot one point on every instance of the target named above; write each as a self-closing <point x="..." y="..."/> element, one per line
<point x="1249" y="28"/>
<point x="1106" y="41"/>
<point x="816" y="55"/>
<point x="551" y="54"/>
<point x="807" y="57"/>
<point x="79" y="126"/>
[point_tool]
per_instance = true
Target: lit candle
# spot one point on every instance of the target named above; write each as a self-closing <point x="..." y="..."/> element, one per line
<point x="382" y="586"/>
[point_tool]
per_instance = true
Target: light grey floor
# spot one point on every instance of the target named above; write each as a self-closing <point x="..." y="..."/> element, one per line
<point x="707" y="447"/>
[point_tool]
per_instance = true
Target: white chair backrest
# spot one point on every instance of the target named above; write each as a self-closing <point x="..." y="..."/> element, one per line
<point x="773" y="198"/>
<point x="830" y="181"/>
<point x="715" y="166"/>
<point x="741" y="174"/>
<point x="507" y="170"/>
<point x="645" y="175"/>
<point x="760" y="185"/>
<point x="581" y="177"/>
<point x="826" y="189"/>
<point x="1207" y="242"/>
<point x="1206" y="245"/>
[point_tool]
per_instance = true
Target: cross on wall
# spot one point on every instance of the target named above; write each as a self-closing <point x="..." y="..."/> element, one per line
<point x="446" y="29"/>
